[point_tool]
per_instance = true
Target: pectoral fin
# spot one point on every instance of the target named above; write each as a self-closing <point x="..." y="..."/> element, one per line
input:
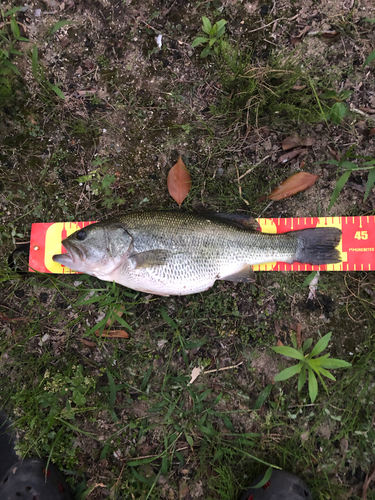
<point x="151" y="258"/>
<point x="245" y="275"/>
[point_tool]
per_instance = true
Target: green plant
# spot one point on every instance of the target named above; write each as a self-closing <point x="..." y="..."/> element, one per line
<point x="369" y="58"/>
<point x="214" y="42"/>
<point x="40" y="77"/>
<point x="349" y="167"/>
<point x="308" y="364"/>
<point x="337" y="112"/>
<point x="8" y="41"/>
<point x="101" y="183"/>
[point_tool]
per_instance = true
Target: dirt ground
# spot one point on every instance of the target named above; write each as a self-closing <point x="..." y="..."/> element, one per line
<point x="130" y="109"/>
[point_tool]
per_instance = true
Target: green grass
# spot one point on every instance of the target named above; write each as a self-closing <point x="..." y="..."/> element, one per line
<point x="160" y="422"/>
<point x="122" y="413"/>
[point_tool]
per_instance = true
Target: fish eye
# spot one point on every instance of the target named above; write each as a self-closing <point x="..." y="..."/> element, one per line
<point x="81" y="235"/>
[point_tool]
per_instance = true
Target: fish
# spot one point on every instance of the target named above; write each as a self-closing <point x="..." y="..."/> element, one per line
<point x="176" y="253"/>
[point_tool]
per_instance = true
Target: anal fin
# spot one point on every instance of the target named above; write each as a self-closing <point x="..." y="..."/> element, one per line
<point x="245" y="275"/>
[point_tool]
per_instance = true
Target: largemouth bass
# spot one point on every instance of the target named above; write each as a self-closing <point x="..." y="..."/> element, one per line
<point x="174" y="253"/>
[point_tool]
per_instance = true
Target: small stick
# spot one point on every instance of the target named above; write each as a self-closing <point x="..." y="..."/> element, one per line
<point x="369" y="477"/>
<point x="252" y="168"/>
<point x="222" y="369"/>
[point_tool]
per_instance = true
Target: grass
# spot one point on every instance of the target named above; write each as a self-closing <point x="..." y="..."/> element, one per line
<point x="155" y="419"/>
<point x="121" y="417"/>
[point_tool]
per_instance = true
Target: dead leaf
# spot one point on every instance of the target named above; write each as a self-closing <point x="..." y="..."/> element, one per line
<point x="196" y="371"/>
<point x="183" y="492"/>
<point x="305" y="436"/>
<point x="179" y="182"/>
<point x="294" y="141"/>
<point x="299" y="335"/>
<point x="294" y="184"/>
<point x="299" y="87"/>
<point x="370" y="476"/>
<point x="372" y="133"/>
<point x="295" y="40"/>
<point x="277" y="327"/>
<point x="89" y="343"/>
<point x="119" y="312"/>
<point x="291" y="155"/>
<point x="112" y="334"/>
<point x="279" y="343"/>
<point x="330" y="35"/>
<point x="370" y="111"/>
<point x="334" y="153"/>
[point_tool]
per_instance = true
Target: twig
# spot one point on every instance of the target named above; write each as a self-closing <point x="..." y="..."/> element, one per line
<point x="252" y="168"/>
<point x="369" y="477"/>
<point x="5" y="318"/>
<point x="356" y="110"/>
<point x="164" y="34"/>
<point x="274" y="21"/>
<point x="222" y="369"/>
<point x="262" y="212"/>
<point x="239" y="187"/>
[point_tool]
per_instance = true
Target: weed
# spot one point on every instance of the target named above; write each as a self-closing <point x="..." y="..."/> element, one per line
<point x="214" y="40"/>
<point x="339" y="109"/>
<point x="308" y="365"/>
<point x="101" y="183"/>
<point x="51" y="402"/>
<point x="371" y="56"/>
<point x="8" y="41"/>
<point x="40" y="77"/>
<point x="103" y="62"/>
<point x="349" y="167"/>
<point x="60" y="24"/>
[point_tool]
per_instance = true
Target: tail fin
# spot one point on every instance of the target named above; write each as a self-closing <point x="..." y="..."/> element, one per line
<point x="318" y="245"/>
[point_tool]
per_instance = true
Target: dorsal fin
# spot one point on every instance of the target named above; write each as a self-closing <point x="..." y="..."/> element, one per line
<point x="242" y="221"/>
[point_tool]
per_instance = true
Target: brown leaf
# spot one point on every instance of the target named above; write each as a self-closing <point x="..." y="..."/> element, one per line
<point x="184" y="493"/>
<point x="292" y="185"/>
<point x="370" y="111"/>
<point x="112" y="334"/>
<point x="334" y="153"/>
<point x="299" y="87"/>
<point x="291" y="155"/>
<point x="294" y="141"/>
<point x="89" y="343"/>
<point x="295" y="40"/>
<point x="372" y="133"/>
<point x="179" y="182"/>
<point x="290" y="142"/>
<point x="299" y="335"/>
<point x="298" y="38"/>
<point x="277" y="327"/>
<point x="119" y="313"/>
<point x="329" y="35"/>
<point x="279" y="343"/>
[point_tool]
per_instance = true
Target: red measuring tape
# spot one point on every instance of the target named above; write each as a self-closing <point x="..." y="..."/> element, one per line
<point x="357" y="246"/>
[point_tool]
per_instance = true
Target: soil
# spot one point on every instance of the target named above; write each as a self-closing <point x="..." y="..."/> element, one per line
<point x="131" y="109"/>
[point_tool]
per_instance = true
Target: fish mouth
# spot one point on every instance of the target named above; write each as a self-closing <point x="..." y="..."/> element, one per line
<point x="72" y="256"/>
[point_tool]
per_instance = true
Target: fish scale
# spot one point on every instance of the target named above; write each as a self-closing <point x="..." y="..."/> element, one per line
<point x="174" y="253"/>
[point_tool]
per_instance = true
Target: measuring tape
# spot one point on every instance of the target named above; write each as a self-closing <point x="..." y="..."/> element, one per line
<point x="357" y="246"/>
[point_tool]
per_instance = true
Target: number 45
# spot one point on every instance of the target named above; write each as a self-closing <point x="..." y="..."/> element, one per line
<point x="361" y="235"/>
